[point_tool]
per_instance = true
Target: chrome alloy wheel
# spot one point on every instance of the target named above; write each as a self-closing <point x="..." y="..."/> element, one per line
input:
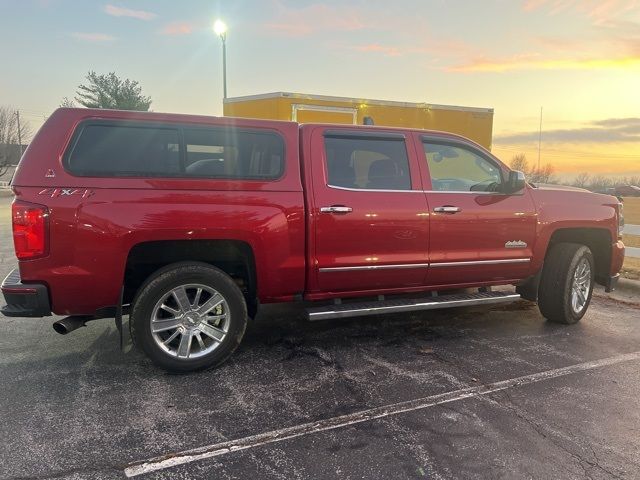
<point x="190" y="321"/>
<point x="580" y="286"/>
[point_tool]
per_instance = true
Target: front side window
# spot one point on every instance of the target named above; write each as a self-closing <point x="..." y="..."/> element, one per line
<point x="367" y="163"/>
<point x="458" y="169"/>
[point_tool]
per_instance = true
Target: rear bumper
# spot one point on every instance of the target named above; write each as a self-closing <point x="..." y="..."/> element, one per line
<point x="24" y="300"/>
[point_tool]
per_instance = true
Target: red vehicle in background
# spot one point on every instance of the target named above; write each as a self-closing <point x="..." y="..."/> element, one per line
<point x="189" y="223"/>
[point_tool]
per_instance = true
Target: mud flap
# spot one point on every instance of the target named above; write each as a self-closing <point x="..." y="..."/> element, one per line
<point x="119" y="318"/>
<point x="529" y="288"/>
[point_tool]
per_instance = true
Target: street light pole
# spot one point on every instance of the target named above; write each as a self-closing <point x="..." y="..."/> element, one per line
<point x="224" y="64"/>
<point x="221" y="30"/>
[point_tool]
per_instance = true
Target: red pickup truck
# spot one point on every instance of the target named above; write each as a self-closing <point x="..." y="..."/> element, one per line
<point x="189" y="223"/>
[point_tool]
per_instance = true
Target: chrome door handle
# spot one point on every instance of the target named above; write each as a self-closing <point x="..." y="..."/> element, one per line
<point x="447" y="209"/>
<point x="336" y="209"/>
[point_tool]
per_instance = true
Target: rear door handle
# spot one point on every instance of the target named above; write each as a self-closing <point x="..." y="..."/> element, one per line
<point x="447" y="209"/>
<point x="336" y="209"/>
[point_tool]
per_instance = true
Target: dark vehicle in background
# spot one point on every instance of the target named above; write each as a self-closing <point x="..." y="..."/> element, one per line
<point x="627" y="191"/>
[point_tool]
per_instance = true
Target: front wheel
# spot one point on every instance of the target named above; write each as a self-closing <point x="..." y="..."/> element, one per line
<point x="567" y="282"/>
<point x="188" y="316"/>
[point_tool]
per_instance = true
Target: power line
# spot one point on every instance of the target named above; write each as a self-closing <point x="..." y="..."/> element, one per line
<point x="570" y="155"/>
<point x="515" y="148"/>
<point x="540" y="139"/>
<point x="19" y="131"/>
<point x="33" y="115"/>
<point x="35" y="112"/>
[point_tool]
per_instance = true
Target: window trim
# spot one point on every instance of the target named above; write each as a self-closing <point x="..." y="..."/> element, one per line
<point x="182" y="149"/>
<point x="349" y="134"/>
<point x="379" y="190"/>
<point x="357" y="134"/>
<point x="464" y="145"/>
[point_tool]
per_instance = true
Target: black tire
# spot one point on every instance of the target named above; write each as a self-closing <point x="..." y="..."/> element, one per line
<point x="556" y="283"/>
<point x="158" y="286"/>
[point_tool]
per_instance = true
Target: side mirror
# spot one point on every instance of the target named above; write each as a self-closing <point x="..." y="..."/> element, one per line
<point x="515" y="183"/>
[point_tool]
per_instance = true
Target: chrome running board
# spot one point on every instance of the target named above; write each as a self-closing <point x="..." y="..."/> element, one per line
<point x="409" y="305"/>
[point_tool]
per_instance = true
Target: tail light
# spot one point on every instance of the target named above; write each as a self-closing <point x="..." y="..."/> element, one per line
<point x="30" y="230"/>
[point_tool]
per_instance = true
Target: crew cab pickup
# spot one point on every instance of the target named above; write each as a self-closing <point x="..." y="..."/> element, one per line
<point x="189" y="223"/>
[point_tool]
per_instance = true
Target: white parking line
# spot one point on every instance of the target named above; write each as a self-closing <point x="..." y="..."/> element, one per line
<point x="223" y="448"/>
<point x="632" y="229"/>
<point x="632" y="252"/>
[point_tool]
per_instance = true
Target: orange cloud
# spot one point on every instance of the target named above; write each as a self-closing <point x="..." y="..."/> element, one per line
<point x="434" y="47"/>
<point x="610" y="146"/>
<point x="177" y="28"/>
<point x="611" y="130"/>
<point x="568" y="162"/>
<point x="127" y="12"/>
<point x="536" y="62"/>
<point x="377" y="48"/>
<point x="598" y="10"/>
<point x="304" y="21"/>
<point x="93" y="37"/>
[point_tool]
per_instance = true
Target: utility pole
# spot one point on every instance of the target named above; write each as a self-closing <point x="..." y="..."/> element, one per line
<point x="19" y="132"/>
<point x="540" y="139"/>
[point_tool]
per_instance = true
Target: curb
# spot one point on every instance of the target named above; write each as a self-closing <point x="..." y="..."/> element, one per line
<point x="627" y="285"/>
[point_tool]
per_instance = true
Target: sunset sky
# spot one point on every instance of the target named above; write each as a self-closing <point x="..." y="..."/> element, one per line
<point x="579" y="59"/>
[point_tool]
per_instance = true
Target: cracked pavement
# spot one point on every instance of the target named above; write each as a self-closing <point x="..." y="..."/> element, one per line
<point x="75" y="407"/>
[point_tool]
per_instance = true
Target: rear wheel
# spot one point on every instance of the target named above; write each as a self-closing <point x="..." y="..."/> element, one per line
<point x="188" y="316"/>
<point x="566" y="284"/>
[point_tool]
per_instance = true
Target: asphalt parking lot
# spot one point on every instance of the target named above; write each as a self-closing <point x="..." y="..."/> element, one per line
<point x="474" y="393"/>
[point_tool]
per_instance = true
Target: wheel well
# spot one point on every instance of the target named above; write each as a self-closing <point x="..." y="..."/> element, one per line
<point x="597" y="239"/>
<point x="233" y="257"/>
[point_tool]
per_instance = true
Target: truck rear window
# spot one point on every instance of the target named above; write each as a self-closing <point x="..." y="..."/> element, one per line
<point x="104" y="150"/>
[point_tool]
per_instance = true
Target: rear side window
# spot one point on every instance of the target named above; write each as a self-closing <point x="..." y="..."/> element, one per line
<point x="146" y="151"/>
<point x="111" y="150"/>
<point x="367" y="163"/>
<point x="227" y="153"/>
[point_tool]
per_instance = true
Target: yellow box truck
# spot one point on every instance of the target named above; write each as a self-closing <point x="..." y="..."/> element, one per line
<point x="471" y="122"/>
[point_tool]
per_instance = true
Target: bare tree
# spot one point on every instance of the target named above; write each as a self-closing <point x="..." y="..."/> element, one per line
<point x="534" y="175"/>
<point x="9" y="145"/>
<point x="520" y="163"/>
<point x="599" y="183"/>
<point x="543" y="174"/>
<point x="582" y="180"/>
<point x="632" y="180"/>
<point x="67" y="103"/>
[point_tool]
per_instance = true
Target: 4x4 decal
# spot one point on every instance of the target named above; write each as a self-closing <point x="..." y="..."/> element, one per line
<point x="67" y="192"/>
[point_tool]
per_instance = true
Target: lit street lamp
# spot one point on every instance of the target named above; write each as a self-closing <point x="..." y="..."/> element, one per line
<point x="221" y="30"/>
